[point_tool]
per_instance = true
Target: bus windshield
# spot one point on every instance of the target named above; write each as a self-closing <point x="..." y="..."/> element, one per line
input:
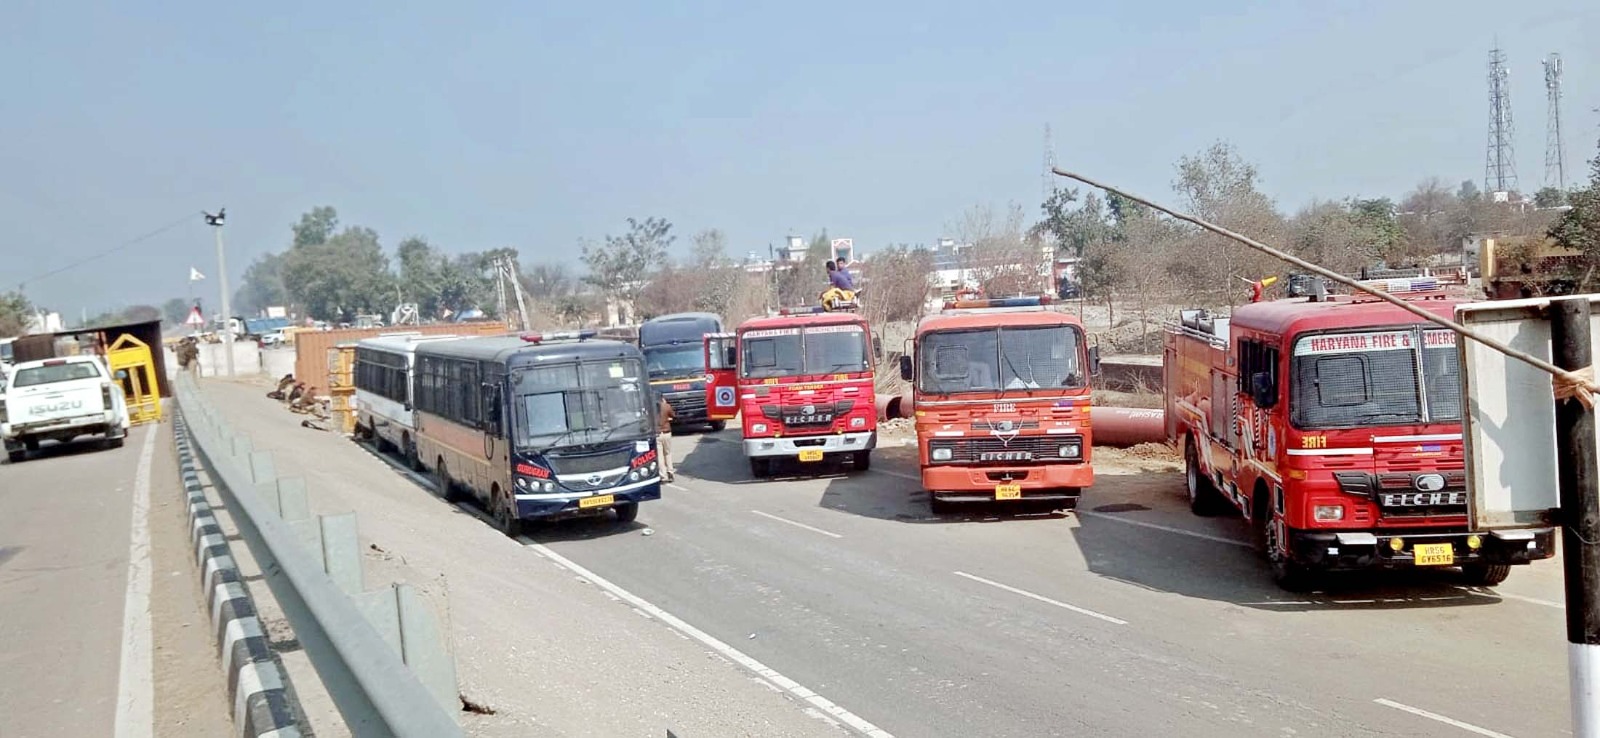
<point x="788" y="352"/>
<point x="572" y="404"/>
<point x="1376" y="377"/>
<point x="994" y="359"/>
<point x="676" y="361"/>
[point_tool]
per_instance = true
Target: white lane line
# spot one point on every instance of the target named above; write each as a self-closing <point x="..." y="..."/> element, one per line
<point x="1167" y="528"/>
<point x="733" y="654"/>
<point x="797" y="525"/>
<point x="135" y="676"/>
<point x="1042" y="598"/>
<point x="1497" y="594"/>
<point x="901" y="475"/>
<point x="1469" y="727"/>
<point x="674" y="485"/>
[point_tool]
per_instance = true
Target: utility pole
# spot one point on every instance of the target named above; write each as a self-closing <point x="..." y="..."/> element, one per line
<point x="216" y="222"/>
<point x="1579" y="486"/>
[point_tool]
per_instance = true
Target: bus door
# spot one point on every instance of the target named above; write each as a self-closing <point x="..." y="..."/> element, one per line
<point x="722" y="381"/>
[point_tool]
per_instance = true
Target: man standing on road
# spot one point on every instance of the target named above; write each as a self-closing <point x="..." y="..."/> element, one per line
<point x="664" y="418"/>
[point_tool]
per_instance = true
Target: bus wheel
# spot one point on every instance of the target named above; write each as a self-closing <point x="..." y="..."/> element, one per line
<point x="505" y="513"/>
<point x="1204" y="500"/>
<point x="863" y="460"/>
<point x="628" y="512"/>
<point x="1485" y="575"/>
<point x="442" y="480"/>
<point x="760" y="468"/>
<point x="409" y="449"/>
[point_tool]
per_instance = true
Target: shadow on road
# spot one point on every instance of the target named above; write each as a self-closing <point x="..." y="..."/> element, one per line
<point x="57" y="450"/>
<point x="1166" y="561"/>
<point x="8" y="553"/>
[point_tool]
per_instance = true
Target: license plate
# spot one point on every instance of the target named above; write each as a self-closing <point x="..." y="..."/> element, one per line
<point x="1433" y="554"/>
<point x="811" y="454"/>
<point x="1008" y="491"/>
<point x="600" y="501"/>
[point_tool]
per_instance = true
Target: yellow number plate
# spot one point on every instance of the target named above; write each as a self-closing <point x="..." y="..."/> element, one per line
<point x="1008" y="492"/>
<point x="811" y="454"/>
<point x="1433" y="554"/>
<point x="600" y="501"/>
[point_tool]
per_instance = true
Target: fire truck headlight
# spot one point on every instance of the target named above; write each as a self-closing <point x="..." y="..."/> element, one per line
<point x="1328" y="513"/>
<point x="1070" y="451"/>
<point x="858" y="422"/>
<point x="940" y="454"/>
<point x="758" y="428"/>
<point x="1474" y="542"/>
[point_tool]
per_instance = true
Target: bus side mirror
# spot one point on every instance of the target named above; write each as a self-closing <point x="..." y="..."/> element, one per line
<point x="906" y="371"/>
<point x="1094" y="361"/>
<point x="1262" y="391"/>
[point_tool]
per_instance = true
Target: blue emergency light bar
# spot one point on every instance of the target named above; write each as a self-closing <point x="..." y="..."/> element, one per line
<point x="559" y="336"/>
<point x="809" y="310"/>
<point x="998" y="302"/>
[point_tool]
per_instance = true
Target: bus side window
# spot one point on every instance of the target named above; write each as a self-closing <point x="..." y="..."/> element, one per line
<point x="491" y="407"/>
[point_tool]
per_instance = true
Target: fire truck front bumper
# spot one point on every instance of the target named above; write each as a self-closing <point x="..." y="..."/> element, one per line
<point x="793" y="446"/>
<point x="973" y="483"/>
<point x="1386" y="550"/>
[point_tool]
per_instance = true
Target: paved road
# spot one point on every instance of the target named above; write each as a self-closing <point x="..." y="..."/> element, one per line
<point x="1130" y="618"/>
<point x="1073" y="625"/>
<point x="67" y="535"/>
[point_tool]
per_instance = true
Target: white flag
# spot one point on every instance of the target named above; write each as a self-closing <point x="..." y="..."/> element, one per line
<point x="195" y="275"/>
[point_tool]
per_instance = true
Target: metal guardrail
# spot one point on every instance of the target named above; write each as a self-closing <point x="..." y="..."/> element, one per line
<point x="373" y="687"/>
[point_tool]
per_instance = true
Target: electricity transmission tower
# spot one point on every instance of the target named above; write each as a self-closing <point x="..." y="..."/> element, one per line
<point x="506" y="277"/>
<point x="1555" y="168"/>
<point x="1500" y="169"/>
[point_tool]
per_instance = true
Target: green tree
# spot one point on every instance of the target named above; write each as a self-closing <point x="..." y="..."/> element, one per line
<point x="1468" y="191"/>
<point x="175" y="311"/>
<point x="548" y="281"/>
<point x="262" y="286"/>
<point x="1549" y="197"/>
<point x="1579" y="227"/>
<point x="15" y="310"/>
<point x="1218" y="185"/>
<point x="342" y="277"/>
<point x="421" y="269"/>
<point x="1380" y="230"/>
<point x="621" y="267"/>
<point x="316" y="227"/>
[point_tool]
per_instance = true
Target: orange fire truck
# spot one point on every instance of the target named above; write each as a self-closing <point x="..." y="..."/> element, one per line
<point x="802" y="382"/>
<point x="1001" y="398"/>
<point x="1333" y="424"/>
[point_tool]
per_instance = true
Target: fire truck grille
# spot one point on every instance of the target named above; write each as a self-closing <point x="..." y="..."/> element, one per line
<point x="1409" y="494"/>
<point x="1021" y="449"/>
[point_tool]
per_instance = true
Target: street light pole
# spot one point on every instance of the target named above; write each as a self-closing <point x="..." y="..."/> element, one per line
<point x="216" y="222"/>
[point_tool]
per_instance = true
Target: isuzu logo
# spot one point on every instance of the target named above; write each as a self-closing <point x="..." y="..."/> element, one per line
<point x="1429" y="482"/>
<point x="56" y="407"/>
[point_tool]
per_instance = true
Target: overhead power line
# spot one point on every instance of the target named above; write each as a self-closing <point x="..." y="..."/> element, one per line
<point x="114" y="249"/>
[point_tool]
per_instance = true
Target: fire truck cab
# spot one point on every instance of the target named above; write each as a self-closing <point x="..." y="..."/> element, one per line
<point x="1000" y="390"/>
<point x="803" y="385"/>
<point x="1333" y="425"/>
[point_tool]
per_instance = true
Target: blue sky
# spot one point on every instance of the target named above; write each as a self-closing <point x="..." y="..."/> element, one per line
<point x="489" y="124"/>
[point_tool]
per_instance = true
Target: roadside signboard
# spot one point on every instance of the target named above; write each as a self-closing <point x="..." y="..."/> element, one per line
<point x="1508" y="418"/>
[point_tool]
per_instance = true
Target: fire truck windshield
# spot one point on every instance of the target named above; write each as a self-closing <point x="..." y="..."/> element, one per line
<point x="1375" y="377"/>
<point x="995" y="359"/>
<point x="788" y="352"/>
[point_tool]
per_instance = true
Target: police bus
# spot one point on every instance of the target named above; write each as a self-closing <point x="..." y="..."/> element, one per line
<point x="539" y="426"/>
<point x="384" y="402"/>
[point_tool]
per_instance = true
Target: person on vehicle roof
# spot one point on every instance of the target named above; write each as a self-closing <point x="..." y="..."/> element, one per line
<point x="839" y="277"/>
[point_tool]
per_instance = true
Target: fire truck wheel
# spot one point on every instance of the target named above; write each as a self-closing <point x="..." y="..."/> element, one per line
<point x="863" y="460"/>
<point x="940" y="507"/>
<point x="717" y="426"/>
<point x="760" y="468"/>
<point x="1204" y="500"/>
<point x="1485" y="575"/>
<point x="1287" y="574"/>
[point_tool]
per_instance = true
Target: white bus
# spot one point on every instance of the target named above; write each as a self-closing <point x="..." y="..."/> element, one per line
<point x="384" y="411"/>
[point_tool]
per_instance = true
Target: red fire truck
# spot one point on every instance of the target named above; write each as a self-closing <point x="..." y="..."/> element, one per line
<point x="802" y="380"/>
<point x="1001" y="397"/>
<point x="1333" y="424"/>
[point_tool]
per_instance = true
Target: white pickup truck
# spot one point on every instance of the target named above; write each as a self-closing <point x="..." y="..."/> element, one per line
<point x="60" y="399"/>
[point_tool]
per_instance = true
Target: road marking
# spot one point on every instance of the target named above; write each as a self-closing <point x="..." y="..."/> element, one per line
<point x="135" y="677"/>
<point x="1508" y="596"/>
<point x="901" y="475"/>
<point x="706" y="639"/>
<point x="1042" y="598"/>
<point x="797" y="525"/>
<point x="671" y="485"/>
<point x="1469" y="727"/>
<point x="1167" y="528"/>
